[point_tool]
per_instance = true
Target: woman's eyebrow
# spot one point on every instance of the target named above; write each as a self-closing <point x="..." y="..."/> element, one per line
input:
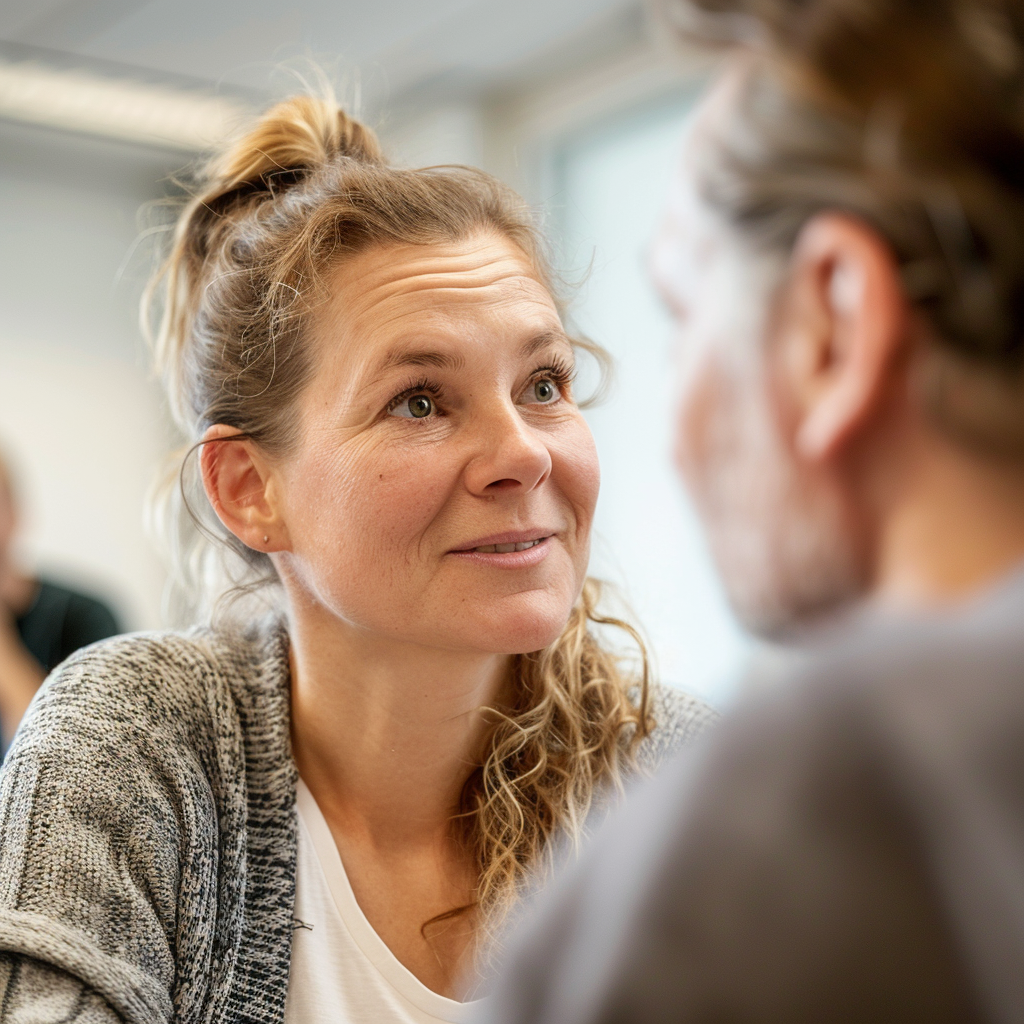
<point x="399" y="357"/>
<point x="545" y="339"/>
<point x="420" y="357"/>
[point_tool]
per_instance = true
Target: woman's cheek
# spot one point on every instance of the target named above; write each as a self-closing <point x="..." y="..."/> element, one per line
<point x="395" y="499"/>
<point x="579" y="472"/>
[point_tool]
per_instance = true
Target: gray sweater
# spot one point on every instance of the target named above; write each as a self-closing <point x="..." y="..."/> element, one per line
<point x="147" y="832"/>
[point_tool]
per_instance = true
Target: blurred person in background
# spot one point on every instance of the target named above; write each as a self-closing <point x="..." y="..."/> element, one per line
<point x="844" y="257"/>
<point x="323" y="814"/>
<point x="41" y="623"/>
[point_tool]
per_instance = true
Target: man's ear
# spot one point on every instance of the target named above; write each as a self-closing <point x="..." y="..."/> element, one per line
<point x="848" y="325"/>
<point x="241" y="488"/>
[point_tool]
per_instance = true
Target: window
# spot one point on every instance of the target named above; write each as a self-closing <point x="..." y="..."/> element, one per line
<point x="611" y="184"/>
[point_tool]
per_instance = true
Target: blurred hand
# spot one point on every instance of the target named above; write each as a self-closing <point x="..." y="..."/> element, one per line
<point x="20" y="673"/>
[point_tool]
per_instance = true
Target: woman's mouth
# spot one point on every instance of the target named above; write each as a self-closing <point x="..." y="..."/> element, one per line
<point x="508" y="552"/>
<point x="489" y="549"/>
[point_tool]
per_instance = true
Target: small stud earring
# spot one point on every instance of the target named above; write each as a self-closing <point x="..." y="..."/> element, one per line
<point x="266" y="539"/>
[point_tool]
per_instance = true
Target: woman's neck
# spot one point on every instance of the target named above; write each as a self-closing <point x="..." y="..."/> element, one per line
<point x="385" y="734"/>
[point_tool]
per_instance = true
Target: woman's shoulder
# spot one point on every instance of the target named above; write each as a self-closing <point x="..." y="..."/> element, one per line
<point x="138" y="665"/>
<point x="123" y="816"/>
<point x="679" y="718"/>
<point x="134" y="684"/>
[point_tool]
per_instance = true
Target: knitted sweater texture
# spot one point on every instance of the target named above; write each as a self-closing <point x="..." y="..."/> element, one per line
<point x="148" y="837"/>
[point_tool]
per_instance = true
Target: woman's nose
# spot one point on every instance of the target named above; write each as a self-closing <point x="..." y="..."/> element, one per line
<point x="509" y="455"/>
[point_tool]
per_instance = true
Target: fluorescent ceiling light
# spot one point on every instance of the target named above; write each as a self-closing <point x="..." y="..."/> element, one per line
<point x="116" y="108"/>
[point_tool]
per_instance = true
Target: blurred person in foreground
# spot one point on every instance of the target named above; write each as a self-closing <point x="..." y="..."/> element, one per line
<point x="844" y="255"/>
<point x="41" y="622"/>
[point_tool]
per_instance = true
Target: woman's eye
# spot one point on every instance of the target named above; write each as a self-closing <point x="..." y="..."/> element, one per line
<point x="416" y="407"/>
<point x="544" y="391"/>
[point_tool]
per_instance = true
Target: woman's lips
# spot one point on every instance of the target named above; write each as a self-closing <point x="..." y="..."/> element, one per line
<point x="509" y="554"/>
<point x="505" y="549"/>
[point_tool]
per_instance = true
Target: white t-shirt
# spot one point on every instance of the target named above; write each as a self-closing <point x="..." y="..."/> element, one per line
<point x="341" y="970"/>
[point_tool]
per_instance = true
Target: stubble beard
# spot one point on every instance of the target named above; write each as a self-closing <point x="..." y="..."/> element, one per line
<point x="784" y="539"/>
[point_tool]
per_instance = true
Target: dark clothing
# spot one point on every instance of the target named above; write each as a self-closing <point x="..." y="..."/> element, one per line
<point x="848" y="849"/>
<point x="60" y="622"/>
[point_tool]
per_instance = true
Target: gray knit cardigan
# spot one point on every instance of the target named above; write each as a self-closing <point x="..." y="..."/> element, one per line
<point x="147" y="833"/>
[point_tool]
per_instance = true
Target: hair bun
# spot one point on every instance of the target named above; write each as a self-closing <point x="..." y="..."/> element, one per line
<point x="299" y="133"/>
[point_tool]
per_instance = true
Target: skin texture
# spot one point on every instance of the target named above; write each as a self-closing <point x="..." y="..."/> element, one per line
<point x="20" y="674"/>
<point x="800" y="431"/>
<point x="399" y="636"/>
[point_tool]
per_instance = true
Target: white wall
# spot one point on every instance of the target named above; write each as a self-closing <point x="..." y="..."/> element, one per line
<point x="78" y="411"/>
<point x="612" y="182"/>
<point x="82" y="431"/>
<point x="449" y="133"/>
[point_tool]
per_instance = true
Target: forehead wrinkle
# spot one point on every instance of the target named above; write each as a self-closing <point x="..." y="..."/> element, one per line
<point x="459" y="278"/>
<point x="412" y="326"/>
<point x="487" y="265"/>
<point x="433" y="290"/>
<point x="396" y="303"/>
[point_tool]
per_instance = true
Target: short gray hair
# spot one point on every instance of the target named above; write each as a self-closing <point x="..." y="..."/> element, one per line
<point x="908" y="116"/>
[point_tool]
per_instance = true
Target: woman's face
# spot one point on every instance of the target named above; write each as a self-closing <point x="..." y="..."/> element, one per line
<point x="444" y="484"/>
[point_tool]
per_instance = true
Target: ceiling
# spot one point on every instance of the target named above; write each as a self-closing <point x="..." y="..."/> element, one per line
<point x="388" y="49"/>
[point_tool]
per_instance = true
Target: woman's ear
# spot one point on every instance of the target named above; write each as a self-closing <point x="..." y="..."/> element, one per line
<point x="240" y="485"/>
<point x="848" y="326"/>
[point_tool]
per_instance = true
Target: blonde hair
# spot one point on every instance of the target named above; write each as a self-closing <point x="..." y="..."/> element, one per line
<point x="307" y="188"/>
<point x="910" y="116"/>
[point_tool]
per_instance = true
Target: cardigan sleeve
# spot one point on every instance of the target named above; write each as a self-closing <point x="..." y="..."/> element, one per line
<point x="31" y="991"/>
<point x="107" y="842"/>
<point x="679" y="719"/>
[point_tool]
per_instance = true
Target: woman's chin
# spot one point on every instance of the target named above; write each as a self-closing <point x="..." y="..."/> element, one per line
<point x="518" y="632"/>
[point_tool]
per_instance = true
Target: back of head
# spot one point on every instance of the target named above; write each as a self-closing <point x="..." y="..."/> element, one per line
<point x="908" y="114"/>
